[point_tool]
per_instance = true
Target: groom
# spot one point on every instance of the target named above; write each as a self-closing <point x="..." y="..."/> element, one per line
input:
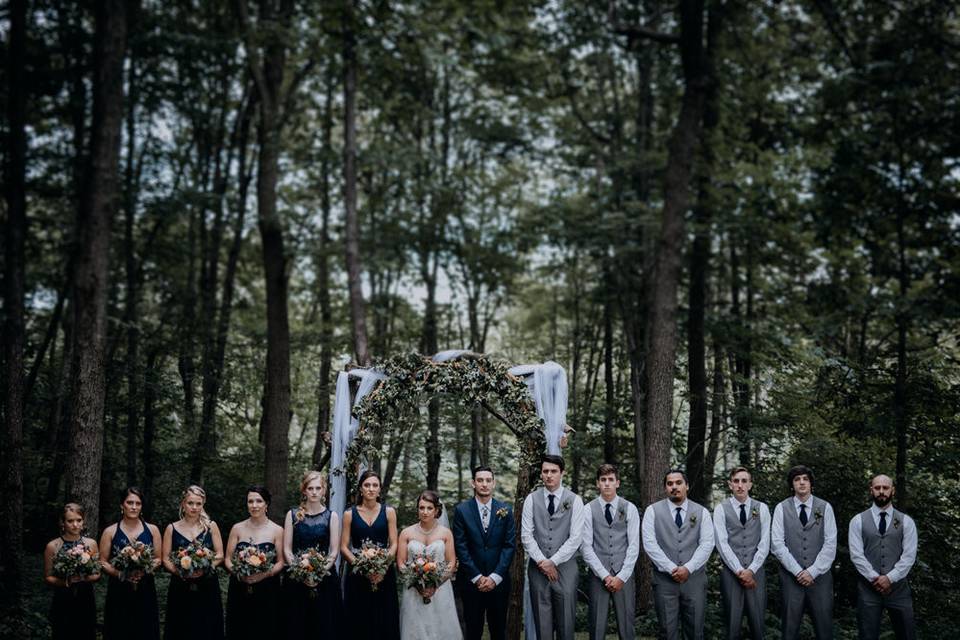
<point x="485" y="537"/>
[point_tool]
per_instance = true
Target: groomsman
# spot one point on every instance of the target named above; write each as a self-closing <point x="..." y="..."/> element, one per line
<point x="804" y="540"/>
<point x="485" y="537"/>
<point x="551" y="525"/>
<point x="883" y="547"/>
<point x="742" y="527"/>
<point x="678" y="537"/>
<point x="611" y="545"/>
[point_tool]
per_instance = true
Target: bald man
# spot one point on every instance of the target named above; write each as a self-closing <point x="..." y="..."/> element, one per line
<point x="883" y="547"/>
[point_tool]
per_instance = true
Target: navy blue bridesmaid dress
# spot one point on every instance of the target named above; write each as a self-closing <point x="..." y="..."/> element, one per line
<point x="252" y="608"/>
<point x="131" y="611"/>
<point x="371" y="615"/>
<point x="194" y="608"/>
<point x="312" y="611"/>
<point x="73" y="614"/>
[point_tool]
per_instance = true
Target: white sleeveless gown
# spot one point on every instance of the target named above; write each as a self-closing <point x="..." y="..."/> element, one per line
<point x="419" y="621"/>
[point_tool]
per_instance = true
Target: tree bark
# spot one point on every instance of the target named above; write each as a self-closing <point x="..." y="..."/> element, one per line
<point x="91" y="272"/>
<point x="11" y="530"/>
<point x="661" y="315"/>
<point x="358" y="313"/>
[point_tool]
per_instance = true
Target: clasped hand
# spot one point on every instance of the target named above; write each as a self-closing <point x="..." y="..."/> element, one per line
<point x="548" y="569"/>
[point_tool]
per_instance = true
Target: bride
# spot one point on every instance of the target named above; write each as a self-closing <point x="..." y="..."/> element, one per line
<point x="431" y="612"/>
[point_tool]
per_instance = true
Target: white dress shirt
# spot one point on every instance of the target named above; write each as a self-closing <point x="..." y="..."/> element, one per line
<point x="855" y="540"/>
<point x="570" y="546"/>
<point x="633" y="540"/>
<point x="658" y="557"/>
<point x="723" y="545"/>
<point x="485" y="523"/>
<point x="828" y="552"/>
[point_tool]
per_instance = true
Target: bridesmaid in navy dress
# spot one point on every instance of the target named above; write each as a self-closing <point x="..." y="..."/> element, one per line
<point x="371" y="614"/>
<point x="74" y="611"/>
<point x="131" y="609"/>
<point x="252" y="600"/>
<point x="194" y="609"/>
<point x="312" y="610"/>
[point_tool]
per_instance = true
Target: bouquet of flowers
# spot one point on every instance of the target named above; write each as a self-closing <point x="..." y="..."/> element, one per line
<point x="251" y="560"/>
<point x="371" y="559"/>
<point x="420" y="571"/>
<point x="135" y="558"/>
<point x="193" y="560"/>
<point x="75" y="561"/>
<point x="309" y="567"/>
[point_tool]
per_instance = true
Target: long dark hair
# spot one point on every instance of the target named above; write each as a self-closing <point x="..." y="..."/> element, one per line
<point x="369" y="473"/>
<point x="429" y="495"/>
<point x="137" y="492"/>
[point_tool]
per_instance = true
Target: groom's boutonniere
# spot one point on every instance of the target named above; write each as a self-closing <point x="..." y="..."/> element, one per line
<point x="502" y="513"/>
<point x="817" y="516"/>
<point x="754" y="513"/>
<point x="621" y="513"/>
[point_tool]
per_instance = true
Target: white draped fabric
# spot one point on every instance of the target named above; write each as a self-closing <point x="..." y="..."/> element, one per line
<point x="450" y="354"/>
<point x="547" y="383"/>
<point x="345" y="427"/>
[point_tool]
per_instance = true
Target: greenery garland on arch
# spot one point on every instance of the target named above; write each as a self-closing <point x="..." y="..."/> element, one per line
<point x="412" y="379"/>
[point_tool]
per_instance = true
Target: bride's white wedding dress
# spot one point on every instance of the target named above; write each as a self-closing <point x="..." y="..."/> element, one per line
<point x="438" y="619"/>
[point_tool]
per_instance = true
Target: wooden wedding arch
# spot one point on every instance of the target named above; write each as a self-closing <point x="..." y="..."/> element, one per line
<point x="475" y="379"/>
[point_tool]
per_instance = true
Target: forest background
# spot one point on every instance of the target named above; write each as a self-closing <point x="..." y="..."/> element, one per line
<point x="735" y="224"/>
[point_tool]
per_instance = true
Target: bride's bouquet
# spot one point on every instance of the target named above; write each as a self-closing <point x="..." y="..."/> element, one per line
<point x="309" y="566"/>
<point x="193" y="560"/>
<point x="421" y="572"/>
<point x="371" y="559"/>
<point x="75" y="562"/>
<point x="134" y="559"/>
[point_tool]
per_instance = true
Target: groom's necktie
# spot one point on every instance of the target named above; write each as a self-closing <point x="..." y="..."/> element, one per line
<point x="550" y="507"/>
<point x="485" y="517"/>
<point x="607" y="515"/>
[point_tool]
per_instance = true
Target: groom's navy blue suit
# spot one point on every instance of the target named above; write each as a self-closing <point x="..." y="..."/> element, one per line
<point x="481" y="553"/>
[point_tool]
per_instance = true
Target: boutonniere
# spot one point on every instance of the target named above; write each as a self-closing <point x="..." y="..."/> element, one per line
<point x="693" y="519"/>
<point x="896" y="523"/>
<point x="502" y="513"/>
<point x="754" y="513"/>
<point x="817" y="516"/>
<point x="621" y="513"/>
<point x="564" y="505"/>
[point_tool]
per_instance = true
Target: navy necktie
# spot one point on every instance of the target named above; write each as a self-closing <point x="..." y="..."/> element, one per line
<point x="678" y="518"/>
<point x="803" y="514"/>
<point x="607" y="515"/>
<point x="743" y="514"/>
<point x="550" y="508"/>
<point x="883" y="522"/>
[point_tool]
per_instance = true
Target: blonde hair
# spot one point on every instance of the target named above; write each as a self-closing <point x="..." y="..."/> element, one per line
<point x="309" y="477"/>
<point x="198" y="491"/>
<point x="67" y="508"/>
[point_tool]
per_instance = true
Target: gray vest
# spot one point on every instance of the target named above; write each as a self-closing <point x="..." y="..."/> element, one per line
<point x="679" y="544"/>
<point x="610" y="540"/>
<point x="803" y="543"/>
<point x="882" y="551"/>
<point x="550" y="532"/>
<point x="743" y="539"/>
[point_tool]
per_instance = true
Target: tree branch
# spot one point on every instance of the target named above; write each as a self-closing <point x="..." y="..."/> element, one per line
<point x="253" y="53"/>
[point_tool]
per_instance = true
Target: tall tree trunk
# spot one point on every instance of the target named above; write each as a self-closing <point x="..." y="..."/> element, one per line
<point x="716" y="406"/>
<point x="130" y="315"/>
<point x="11" y="530"/>
<point x="610" y="404"/>
<point x="323" y="279"/>
<point x="900" y="398"/>
<point x="150" y="383"/>
<point x="358" y="313"/>
<point x="661" y="316"/>
<point x="91" y="272"/>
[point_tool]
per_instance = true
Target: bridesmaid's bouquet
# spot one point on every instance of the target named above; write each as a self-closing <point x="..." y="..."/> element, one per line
<point x="193" y="560"/>
<point x="75" y="562"/>
<point x="134" y="559"/>
<point x="309" y="566"/>
<point x="420" y="571"/>
<point x="371" y="559"/>
<point x="251" y="560"/>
